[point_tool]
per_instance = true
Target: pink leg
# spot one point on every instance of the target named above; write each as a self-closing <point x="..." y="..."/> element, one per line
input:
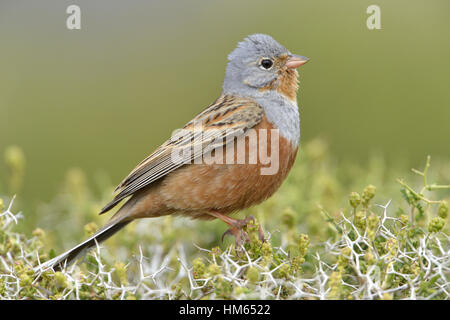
<point x="236" y="227"/>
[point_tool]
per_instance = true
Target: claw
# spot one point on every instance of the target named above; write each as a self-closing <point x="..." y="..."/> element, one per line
<point x="226" y="233"/>
<point x="250" y="218"/>
<point x="237" y="231"/>
<point x="261" y="234"/>
<point x="237" y="226"/>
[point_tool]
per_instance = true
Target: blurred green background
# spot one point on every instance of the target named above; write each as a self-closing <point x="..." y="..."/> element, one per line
<point x="103" y="97"/>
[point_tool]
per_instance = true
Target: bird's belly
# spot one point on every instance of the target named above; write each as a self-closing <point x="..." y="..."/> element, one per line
<point x="227" y="187"/>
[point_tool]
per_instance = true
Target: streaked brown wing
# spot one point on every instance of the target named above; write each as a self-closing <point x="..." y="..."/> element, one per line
<point x="227" y="117"/>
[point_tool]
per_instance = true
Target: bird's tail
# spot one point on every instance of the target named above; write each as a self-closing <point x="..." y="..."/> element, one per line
<point x="68" y="257"/>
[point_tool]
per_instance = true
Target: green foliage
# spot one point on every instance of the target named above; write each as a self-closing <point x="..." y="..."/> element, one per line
<point x="330" y="234"/>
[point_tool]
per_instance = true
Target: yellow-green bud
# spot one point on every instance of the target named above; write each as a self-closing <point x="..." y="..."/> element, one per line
<point x="2" y="206"/>
<point x="215" y="251"/>
<point x="120" y="271"/>
<point x="267" y="252"/>
<point x="296" y="263"/>
<point x="284" y="271"/>
<point x="360" y="219"/>
<point x="436" y="224"/>
<point x="347" y="251"/>
<point x="404" y="219"/>
<point x="368" y="194"/>
<point x="213" y="269"/>
<point x="372" y="224"/>
<point x="369" y="191"/>
<point x="60" y="280"/>
<point x="343" y="258"/>
<point x="354" y="199"/>
<point x="303" y="244"/>
<point x="392" y="245"/>
<point x="252" y="274"/>
<point x="373" y="221"/>
<point x="25" y="280"/>
<point x="334" y="283"/>
<point x="199" y="269"/>
<point x="443" y="209"/>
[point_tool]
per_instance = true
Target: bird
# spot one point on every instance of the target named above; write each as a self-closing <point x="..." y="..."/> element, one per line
<point x="256" y="110"/>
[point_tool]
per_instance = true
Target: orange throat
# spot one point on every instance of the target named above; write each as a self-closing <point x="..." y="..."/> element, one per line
<point x="289" y="84"/>
<point x="286" y="84"/>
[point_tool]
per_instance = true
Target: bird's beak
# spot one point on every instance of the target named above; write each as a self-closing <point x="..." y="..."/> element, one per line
<point x="296" y="61"/>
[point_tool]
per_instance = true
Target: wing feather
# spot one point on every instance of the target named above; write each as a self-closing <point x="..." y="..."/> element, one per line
<point x="227" y="117"/>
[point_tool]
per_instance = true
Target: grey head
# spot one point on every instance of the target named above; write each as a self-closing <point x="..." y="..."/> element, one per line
<point x="258" y="62"/>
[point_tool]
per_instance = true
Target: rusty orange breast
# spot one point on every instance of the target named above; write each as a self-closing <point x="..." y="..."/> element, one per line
<point x="227" y="187"/>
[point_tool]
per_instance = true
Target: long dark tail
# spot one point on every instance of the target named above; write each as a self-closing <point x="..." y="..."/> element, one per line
<point x="70" y="256"/>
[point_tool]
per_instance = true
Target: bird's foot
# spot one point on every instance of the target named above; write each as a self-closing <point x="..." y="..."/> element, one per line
<point x="237" y="230"/>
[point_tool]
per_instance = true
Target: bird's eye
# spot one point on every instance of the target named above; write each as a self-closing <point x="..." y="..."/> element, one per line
<point x="266" y="63"/>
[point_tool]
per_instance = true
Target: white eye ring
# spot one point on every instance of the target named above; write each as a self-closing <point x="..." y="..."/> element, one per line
<point x="266" y="63"/>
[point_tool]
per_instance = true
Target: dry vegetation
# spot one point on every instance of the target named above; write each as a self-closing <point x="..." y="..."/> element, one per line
<point x="324" y="241"/>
